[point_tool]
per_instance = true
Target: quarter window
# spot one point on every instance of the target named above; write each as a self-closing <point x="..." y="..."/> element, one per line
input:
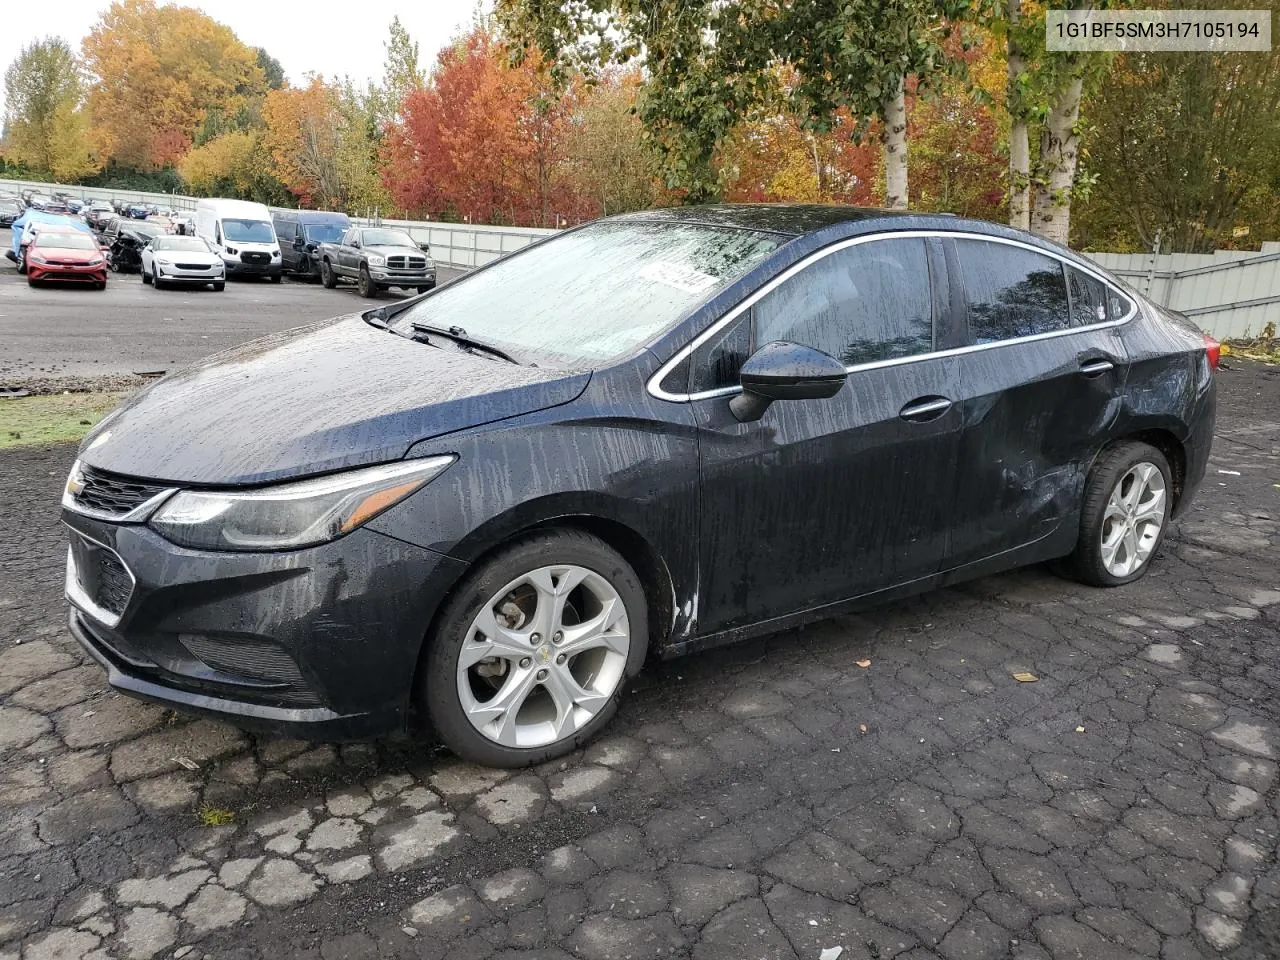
<point x="1011" y="292"/>
<point x="864" y="303"/>
<point x="1088" y="298"/>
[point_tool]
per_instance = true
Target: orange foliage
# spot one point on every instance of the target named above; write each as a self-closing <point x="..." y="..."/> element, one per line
<point x="484" y="140"/>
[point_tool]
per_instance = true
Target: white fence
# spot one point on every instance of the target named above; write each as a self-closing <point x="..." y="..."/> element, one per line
<point x="170" y="201"/>
<point x="1229" y="293"/>
<point x="462" y="244"/>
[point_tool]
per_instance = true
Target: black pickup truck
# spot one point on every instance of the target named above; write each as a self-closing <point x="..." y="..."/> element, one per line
<point x="376" y="258"/>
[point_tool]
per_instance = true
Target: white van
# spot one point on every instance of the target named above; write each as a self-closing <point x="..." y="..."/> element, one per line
<point x="242" y="232"/>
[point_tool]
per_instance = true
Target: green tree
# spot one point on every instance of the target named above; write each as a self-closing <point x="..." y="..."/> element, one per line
<point x="711" y="65"/>
<point x="401" y="72"/>
<point x="271" y="69"/>
<point x="1187" y="144"/>
<point x="46" y="128"/>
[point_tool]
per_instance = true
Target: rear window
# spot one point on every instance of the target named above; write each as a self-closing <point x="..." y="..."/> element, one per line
<point x="1011" y="292"/>
<point x="1088" y="298"/>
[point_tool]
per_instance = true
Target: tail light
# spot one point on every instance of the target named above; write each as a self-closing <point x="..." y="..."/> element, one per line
<point x="1212" y="350"/>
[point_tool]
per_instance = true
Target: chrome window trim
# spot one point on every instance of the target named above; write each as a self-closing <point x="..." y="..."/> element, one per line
<point x="81" y="600"/>
<point x="654" y="384"/>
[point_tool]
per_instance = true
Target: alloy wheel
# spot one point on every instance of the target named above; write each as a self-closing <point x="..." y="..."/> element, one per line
<point x="543" y="656"/>
<point x="1133" y="519"/>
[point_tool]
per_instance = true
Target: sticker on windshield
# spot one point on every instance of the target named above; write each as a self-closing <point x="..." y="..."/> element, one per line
<point x="678" y="275"/>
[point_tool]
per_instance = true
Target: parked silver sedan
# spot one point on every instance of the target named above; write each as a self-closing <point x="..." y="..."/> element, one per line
<point x="182" y="260"/>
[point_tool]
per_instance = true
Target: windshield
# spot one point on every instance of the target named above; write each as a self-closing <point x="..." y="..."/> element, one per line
<point x="66" y="241"/>
<point x="191" y="244"/>
<point x="8" y="205"/>
<point x="592" y="293"/>
<point x="144" y="229"/>
<point x="386" y="238"/>
<point x="323" y="232"/>
<point x="248" y="231"/>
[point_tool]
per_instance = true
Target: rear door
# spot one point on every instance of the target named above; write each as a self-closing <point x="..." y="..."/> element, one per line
<point x="823" y="500"/>
<point x="1041" y="385"/>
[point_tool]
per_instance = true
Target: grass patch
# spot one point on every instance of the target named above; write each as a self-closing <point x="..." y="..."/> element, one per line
<point x="216" y="817"/>
<point x="53" y="418"/>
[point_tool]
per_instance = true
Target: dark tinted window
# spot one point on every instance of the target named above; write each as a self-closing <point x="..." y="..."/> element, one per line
<point x="1088" y="298"/>
<point x="1118" y="305"/>
<point x="1011" y="291"/>
<point x="716" y="363"/>
<point x="864" y="303"/>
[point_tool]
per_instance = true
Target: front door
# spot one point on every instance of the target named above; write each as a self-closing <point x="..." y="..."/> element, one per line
<point x="823" y="500"/>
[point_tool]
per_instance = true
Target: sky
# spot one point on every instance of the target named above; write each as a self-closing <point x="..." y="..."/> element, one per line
<point x="348" y="41"/>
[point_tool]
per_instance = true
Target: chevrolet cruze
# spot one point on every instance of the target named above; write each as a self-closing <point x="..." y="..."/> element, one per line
<point x="656" y="433"/>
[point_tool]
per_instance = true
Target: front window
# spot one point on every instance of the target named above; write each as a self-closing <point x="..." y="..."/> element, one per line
<point x="186" y="244"/>
<point x="247" y="231"/>
<point x="596" y="292"/>
<point x="67" y="241"/>
<point x="323" y="232"/>
<point x="387" y="238"/>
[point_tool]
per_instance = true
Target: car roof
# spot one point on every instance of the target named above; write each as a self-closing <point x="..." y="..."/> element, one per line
<point x="794" y="219"/>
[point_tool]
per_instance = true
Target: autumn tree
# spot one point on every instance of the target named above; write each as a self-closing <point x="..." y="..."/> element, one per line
<point x="235" y="164"/>
<point x="46" y="126"/>
<point x="159" y="72"/>
<point x="606" y="158"/>
<point x="302" y="135"/>
<point x="483" y="140"/>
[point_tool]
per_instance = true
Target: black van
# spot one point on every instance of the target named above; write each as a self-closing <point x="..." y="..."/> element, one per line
<point x="300" y="232"/>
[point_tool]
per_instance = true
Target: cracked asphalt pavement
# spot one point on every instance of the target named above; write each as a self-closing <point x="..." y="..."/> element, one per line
<point x="770" y="800"/>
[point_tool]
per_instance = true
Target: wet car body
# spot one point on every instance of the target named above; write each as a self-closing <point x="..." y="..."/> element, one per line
<point x="920" y="470"/>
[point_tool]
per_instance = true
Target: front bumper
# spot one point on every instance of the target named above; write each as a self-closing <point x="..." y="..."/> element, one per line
<point x="320" y="643"/>
<point x="238" y="268"/>
<point x="172" y="274"/>
<point x="70" y="273"/>
<point x="403" y="278"/>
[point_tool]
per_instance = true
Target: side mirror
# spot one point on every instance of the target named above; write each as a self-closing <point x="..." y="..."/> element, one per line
<point x="424" y="247"/>
<point x="782" y="370"/>
<point x="356" y="244"/>
<point x="299" y="243"/>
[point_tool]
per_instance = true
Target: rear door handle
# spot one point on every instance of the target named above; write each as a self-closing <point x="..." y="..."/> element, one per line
<point x="1096" y="368"/>
<point x="925" y="409"/>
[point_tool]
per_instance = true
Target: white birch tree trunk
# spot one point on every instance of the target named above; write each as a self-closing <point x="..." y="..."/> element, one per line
<point x="1059" y="153"/>
<point x="1019" y="146"/>
<point x="895" y="147"/>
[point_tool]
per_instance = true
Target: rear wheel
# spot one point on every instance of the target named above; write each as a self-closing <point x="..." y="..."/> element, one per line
<point x="531" y="654"/>
<point x="1124" y="516"/>
<point x="365" y="284"/>
<point x="327" y="277"/>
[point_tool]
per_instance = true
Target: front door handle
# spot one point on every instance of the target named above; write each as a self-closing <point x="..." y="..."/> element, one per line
<point x="925" y="409"/>
<point x="1096" y="368"/>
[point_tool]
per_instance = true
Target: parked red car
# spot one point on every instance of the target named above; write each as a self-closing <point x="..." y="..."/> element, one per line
<point x="66" y="255"/>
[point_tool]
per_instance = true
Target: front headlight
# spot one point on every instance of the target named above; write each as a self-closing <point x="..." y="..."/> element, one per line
<point x="94" y="263"/>
<point x="163" y="262"/>
<point x="376" y="261"/>
<point x="291" y="515"/>
<point x="275" y="254"/>
<point x="36" y="258"/>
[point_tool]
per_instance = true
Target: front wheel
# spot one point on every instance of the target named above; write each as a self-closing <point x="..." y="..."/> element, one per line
<point x="1124" y="516"/>
<point x="429" y="287"/>
<point x="532" y="653"/>
<point x="146" y="277"/>
<point x="277" y="277"/>
<point x="368" y="289"/>
<point x="327" y="277"/>
<point x="220" y="286"/>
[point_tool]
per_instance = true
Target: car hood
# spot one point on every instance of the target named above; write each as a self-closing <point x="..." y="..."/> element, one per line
<point x="188" y="256"/>
<point x="311" y="400"/>
<point x="70" y="254"/>
<point x="394" y="251"/>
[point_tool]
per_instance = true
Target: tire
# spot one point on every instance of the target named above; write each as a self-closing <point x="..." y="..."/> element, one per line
<point x="220" y="286"/>
<point x="328" y="278"/>
<point x="277" y="277"/>
<point x="427" y="288"/>
<point x="440" y="682"/>
<point x="1105" y="511"/>
<point x="100" y="285"/>
<point x="157" y="283"/>
<point x="368" y="289"/>
<point x="22" y="265"/>
<point x="32" y="281"/>
<point x="146" y="277"/>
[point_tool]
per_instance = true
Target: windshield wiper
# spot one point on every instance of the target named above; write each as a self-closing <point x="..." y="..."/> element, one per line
<point x="460" y="336"/>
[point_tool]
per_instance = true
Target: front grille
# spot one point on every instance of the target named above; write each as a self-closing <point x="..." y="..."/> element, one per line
<point x="193" y="266"/>
<point x="257" y="660"/>
<point x="255" y="257"/>
<point x="113" y="495"/>
<point x="406" y="263"/>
